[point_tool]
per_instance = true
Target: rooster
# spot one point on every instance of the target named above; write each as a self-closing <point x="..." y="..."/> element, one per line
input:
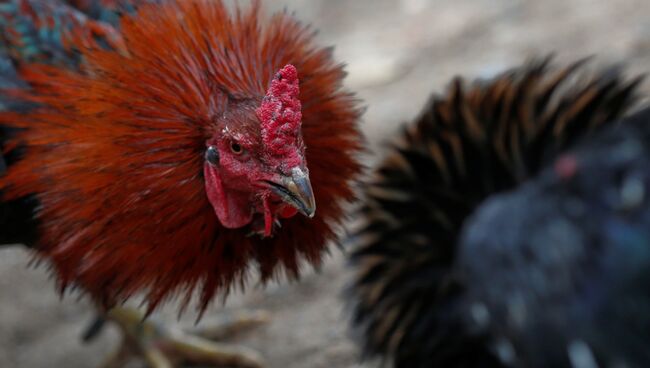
<point x="428" y="287"/>
<point x="168" y="148"/>
<point x="565" y="259"/>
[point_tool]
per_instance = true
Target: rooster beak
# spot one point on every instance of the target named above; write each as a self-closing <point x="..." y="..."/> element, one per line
<point x="296" y="191"/>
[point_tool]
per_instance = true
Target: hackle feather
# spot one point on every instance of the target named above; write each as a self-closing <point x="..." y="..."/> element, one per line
<point x="113" y="152"/>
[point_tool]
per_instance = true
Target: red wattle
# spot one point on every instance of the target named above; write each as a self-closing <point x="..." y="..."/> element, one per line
<point x="288" y="212"/>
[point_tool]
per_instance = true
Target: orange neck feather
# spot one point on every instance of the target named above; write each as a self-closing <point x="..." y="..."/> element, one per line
<point x="114" y="153"/>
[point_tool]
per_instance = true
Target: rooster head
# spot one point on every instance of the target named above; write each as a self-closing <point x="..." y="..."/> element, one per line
<point x="255" y="167"/>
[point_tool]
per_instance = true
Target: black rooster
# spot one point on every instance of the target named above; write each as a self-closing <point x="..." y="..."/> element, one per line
<point x="505" y="290"/>
<point x="557" y="271"/>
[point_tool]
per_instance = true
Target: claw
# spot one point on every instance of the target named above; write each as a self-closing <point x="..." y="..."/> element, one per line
<point x="231" y="327"/>
<point x="163" y="347"/>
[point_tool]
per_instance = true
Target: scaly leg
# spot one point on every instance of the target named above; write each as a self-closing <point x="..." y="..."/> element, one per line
<point x="166" y="347"/>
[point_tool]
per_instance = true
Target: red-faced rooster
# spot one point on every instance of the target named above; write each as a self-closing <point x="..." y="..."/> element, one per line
<point x="169" y="147"/>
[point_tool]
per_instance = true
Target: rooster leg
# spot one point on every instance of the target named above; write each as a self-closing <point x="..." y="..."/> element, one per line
<point x="166" y="347"/>
<point x="233" y="325"/>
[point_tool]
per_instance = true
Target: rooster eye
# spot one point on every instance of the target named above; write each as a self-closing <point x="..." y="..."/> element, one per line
<point x="212" y="156"/>
<point x="236" y="148"/>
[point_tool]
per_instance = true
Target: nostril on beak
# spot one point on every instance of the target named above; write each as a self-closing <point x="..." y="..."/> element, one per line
<point x="296" y="190"/>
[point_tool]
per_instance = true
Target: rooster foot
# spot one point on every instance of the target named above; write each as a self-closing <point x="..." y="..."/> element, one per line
<point x="161" y="346"/>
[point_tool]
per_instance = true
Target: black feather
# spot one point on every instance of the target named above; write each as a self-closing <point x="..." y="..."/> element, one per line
<point x="561" y="266"/>
<point x="475" y="141"/>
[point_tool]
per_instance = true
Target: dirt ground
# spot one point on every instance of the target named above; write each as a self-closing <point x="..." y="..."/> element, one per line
<point x="398" y="52"/>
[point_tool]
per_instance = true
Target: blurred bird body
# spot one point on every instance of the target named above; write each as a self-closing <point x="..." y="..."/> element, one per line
<point x="143" y="142"/>
<point x="573" y="256"/>
<point x="415" y="282"/>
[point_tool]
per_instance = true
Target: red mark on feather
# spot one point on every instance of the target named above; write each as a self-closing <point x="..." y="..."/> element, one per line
<point x="566" y="166"/>
<point x="280" y="116"/>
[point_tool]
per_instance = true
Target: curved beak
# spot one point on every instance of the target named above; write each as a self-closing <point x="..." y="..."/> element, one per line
<point x="296" y="191"/>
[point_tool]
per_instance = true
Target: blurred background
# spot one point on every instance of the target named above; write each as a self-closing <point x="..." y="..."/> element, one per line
<point x="397" y="53"/>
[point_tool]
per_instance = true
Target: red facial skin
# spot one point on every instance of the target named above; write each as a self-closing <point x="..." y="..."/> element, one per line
<point x="236" y="187"/>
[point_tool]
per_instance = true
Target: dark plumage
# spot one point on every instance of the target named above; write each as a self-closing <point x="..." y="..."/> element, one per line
<point x="467" y="145"/>
<point x="557" y="271"/>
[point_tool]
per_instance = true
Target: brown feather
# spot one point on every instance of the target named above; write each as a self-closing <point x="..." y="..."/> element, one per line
<point x="114" y="152"/>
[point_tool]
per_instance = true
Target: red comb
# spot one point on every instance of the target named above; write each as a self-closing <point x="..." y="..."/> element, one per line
<point x="280" y="115"/>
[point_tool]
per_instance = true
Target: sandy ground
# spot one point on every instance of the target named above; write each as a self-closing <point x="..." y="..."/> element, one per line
<point x="397" y="52"/>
